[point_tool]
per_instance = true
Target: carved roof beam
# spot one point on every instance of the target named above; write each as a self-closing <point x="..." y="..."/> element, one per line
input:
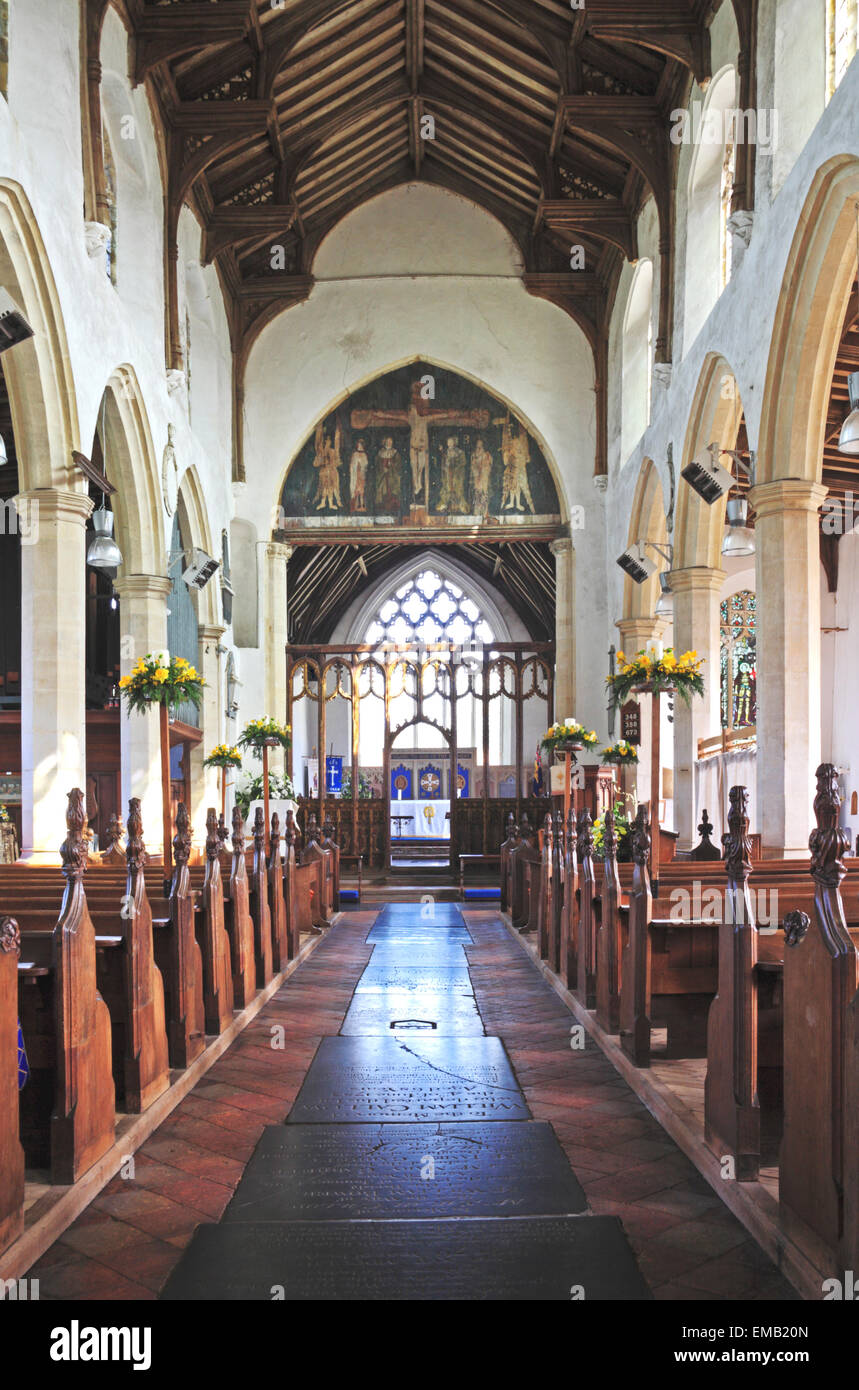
<point x="685" y="42"/>
<point x="168" y="31"/>
<point x="415" y="142"/>
<point x="229" y="226"/>
<point x="415" y="30"/>
<point x="597" y="217"/>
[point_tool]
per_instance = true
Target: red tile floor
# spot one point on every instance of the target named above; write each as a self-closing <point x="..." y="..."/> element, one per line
<point x="129" y="1239"/>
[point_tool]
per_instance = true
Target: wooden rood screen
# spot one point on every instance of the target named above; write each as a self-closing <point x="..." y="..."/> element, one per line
<point x="501" y="678"/>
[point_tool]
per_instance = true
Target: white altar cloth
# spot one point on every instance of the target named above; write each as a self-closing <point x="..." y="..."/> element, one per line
<point x="428" y="820"/>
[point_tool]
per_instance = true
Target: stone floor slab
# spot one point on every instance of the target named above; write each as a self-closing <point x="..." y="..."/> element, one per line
<point x="524" y="1259"/>
<point x="415" y="979"/>
<point x="353" y="1080"/>
<point x="342" y="1172"/>
<point x="400" y="1012"/>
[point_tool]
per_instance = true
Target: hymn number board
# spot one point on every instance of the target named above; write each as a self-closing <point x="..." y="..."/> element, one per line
<point x="630" y="722"/>
<point x="420" y="443"/>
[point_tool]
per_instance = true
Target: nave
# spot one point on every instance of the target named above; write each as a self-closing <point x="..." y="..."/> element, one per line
<point x="343" y="1158"/>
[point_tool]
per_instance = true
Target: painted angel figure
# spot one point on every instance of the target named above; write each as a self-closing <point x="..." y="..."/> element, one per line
<point x="516" y="452"/>
<point x="358" y="465"/>
<point x="327" y="460"/>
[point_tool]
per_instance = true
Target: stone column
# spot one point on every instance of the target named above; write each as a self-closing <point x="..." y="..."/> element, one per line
<point x="274" y="636"/>
<point x="143" y="628"/>
<point x="696" y="627"/>
<point x="206" y="781"/>
<point x="565" y="628"/>
<point x="635" y="633"/>
<point x="53" y="659"/>
<point x="787" y="565"/>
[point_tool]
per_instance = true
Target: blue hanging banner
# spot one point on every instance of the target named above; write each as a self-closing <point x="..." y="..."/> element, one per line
<point x="23" y="1064"/>
<point x="333" y="776"/>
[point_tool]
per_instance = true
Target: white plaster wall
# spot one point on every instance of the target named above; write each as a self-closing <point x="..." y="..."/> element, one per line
<point x="354" y="326"/>
<point x="106" y="327"/>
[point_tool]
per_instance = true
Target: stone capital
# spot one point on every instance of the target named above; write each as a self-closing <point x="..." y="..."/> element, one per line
<point x="52" y="504"/>
<point x="636" y="632"/>
<point x="277" y="550"/>
<point x="146" y="586"/>
<point x="601" y="482"/>
<point x="786" y="495"/>
<point x="697" y="579"/>
<point x="210" y="632"/>
<point x="562" y="546"/>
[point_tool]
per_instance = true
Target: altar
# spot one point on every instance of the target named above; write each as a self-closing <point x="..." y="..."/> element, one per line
<point x="419" y="820"/>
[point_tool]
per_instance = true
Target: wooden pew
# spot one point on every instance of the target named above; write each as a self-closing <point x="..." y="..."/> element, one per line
<point x="259" y="905"/>
<point x="512" y="842"/>
<point x="319" y="880"/>
<point x="570" y="906"/>
<point x="526" y="867"/>
<point x="297" y="895"/>
<point x="821" y="977"/>
<point x="608" y="943"/>
<point x="731" y="1103"/>
<point x="333" y="849"/>
<point x="586" y="963"/>
<point x="216" y="959"/>
<point x="67" y="1107"/>
<point x="180" y="959"/>
<point x="277" y="900"/>
<point x="635" y="1025"/>
<point x="238" y="917"/>
<point x="545" y="887"/>
<point x="11" y="1152"/>
<point x="140" y="1040"/>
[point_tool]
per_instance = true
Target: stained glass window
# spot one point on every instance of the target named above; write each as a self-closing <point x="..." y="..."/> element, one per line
<point x="738" y="660"/>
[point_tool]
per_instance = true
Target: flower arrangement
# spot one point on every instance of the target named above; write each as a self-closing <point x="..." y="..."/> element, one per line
<point x="4" y="815"/>
<point x="259" y="733"/>
<point x="571" y="731"/>
<point x="162" y="679"/>
<point x="223" y="756"/>
<point x="279" y="789"/>
<point x="365" y="789"/>
<point x="623" y="831"/>
<point x="661" y="670"/>
<point x="620" y="752"/>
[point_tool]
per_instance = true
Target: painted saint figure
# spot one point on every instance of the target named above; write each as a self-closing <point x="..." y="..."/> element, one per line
<point x="327" y="461"/>
<point x="389" y="480"/>
<point x="516" y="452"/>
<point x="481" y="469"/>
<point x="358" y="466"/>
<point x="453" y="465"/>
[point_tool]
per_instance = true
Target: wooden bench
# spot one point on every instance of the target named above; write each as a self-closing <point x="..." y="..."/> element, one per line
<point x="11" y="1152"/>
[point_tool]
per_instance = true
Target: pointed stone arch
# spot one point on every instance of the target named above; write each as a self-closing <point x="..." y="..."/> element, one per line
<point x="647" y="522"/>
<point x="715" y="417"/>
<point x="815" y="288"/>
<point x="193" y="502"/>
<point x="131" y="465"/>
<point x="38" y="371"/>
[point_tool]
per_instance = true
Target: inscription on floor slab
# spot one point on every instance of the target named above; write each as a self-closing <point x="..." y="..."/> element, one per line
<point x="573" y="1260"/>
<point x="338" y="1172"/>
<point x="353" y="1080"/>
<point x="418" y="979"/>
<point x="401" y="1012"/>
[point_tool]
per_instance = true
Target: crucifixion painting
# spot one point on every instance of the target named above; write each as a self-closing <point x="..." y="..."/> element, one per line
<point x="421" y="446"/>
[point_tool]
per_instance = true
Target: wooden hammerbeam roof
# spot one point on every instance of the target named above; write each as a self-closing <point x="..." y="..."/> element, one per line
<point x="282" y="117"/>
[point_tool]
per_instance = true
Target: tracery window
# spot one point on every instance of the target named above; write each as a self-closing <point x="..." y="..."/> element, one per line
<point x="841" y="26"/>
<point x="429" y="609"/>
<point x="725" y="194"/>
<point x="738" y="658"/>
<point x="112" y="204"/>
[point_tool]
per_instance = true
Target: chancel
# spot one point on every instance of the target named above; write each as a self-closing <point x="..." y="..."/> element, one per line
<point x="429" y="774"/>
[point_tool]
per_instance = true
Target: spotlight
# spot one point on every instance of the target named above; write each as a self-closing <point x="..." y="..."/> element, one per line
<point x="848" y="440"/>
<point x="635" y="563"/>
<point x="710" y="480"/>
<point x="200" y="569"/>
<point x="739" y="537"/>
<point x="103" y="553"/>
<point x="14" y="328"/>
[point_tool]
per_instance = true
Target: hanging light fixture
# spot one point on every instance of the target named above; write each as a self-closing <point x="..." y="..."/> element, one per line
<point x="848" y="440"/>
<point x="739" y="537"/>
<point x="4" y="457"/>
<point x="103" y="553"/>
<point x="665" y="602"/>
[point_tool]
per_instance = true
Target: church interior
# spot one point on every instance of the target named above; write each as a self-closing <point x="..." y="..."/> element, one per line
<point x="429" y="836"/>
